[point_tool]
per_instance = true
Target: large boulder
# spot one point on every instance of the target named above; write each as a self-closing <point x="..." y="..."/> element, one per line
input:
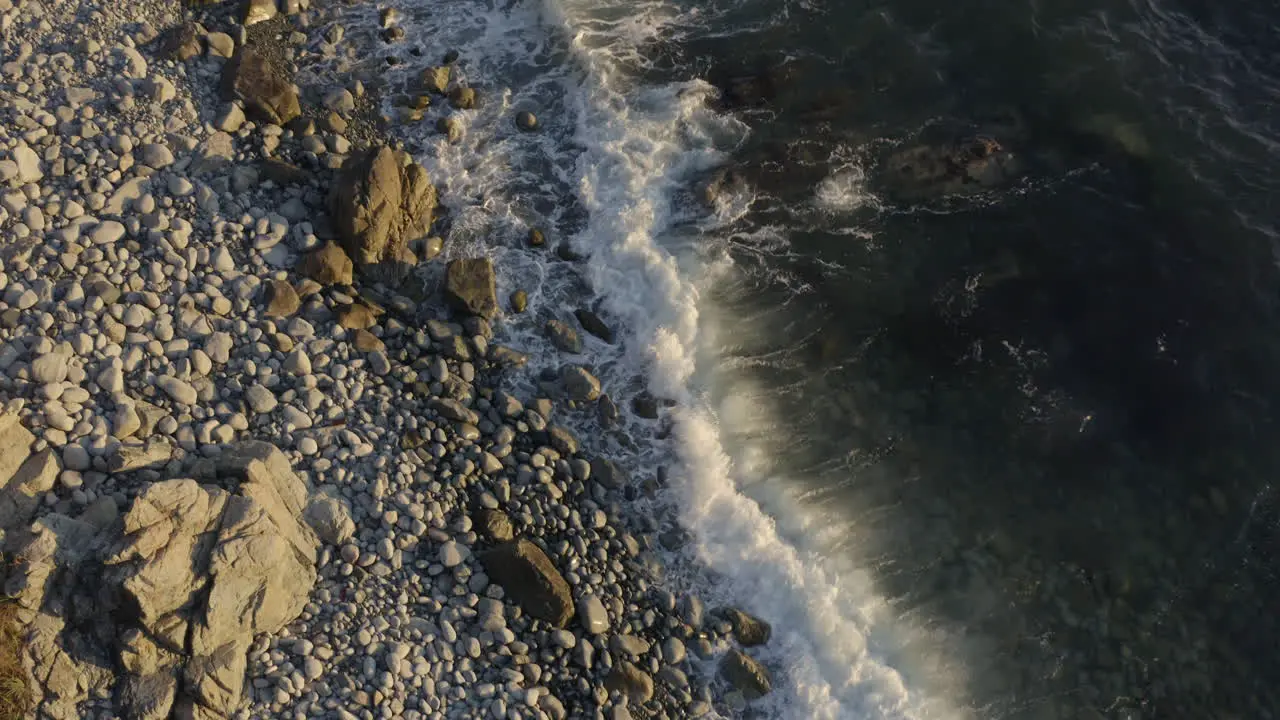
<point x="24" y="477"/>
<point x="531" y="579"/>
<point x="266" y="90"/>
<point x="470" y="287"/>
<point x="158" y="608"/>
<point x="380" y="204"/>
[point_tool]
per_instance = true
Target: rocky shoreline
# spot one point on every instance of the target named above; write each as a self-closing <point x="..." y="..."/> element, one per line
<point x="264" y="454"/>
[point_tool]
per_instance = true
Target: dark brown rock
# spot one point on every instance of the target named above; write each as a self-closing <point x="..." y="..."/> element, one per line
<point x="519" y="301"/>
<point x="470" y="287"/>
<point x="435" y="79"/>
<point x="592" y="323"/>
<point x="282" y="300"/>
<point x="563" y="337"/>
<point x="366" y="341"/>
<point x="531" y="580"/>
<point x="266" y="91"/>
<point x="631" y="681"/>
<point x="283" y="173"/>
<point x="748" y="629"/>
<point x="380" y="204"/>
<point x="745" y="674"/>
<point x="328" y="266"/>
<point x="182" y="42"/>
<point x="463" y="98"/>
<point x="357" y="316"/>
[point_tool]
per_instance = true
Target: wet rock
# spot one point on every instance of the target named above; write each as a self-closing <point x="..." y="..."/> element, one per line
<point x="579" y="385"/>
<point x="266" y="91"/>
<point x="645" y="405"/>
<point x="462" y="98"/>
<point x="328" y="266"/>
<point x="566" y="252"/>
<point x="608" y="473"/>
<point x="725" y="182"/>
<point x="594" y="325"/>
<point x="748" y="629"/>
<point x="536" y="238"/>
<point x="470" y="287"/>
<point x="519" y="301"/>
<point x="745" y="674"/>
<point x="380" y="204"/>
<point x="450" y="127"/>
<point x="494" y="525"/>
<point x="531" y="579"/>
<point x="435" y="79"/>
<point x="182" y="42"/>
<point x="526" y="121"/>
<point x="563" y="337"/>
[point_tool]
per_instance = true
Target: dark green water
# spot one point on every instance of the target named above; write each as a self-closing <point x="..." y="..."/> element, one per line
<point x="1043" y="412"/>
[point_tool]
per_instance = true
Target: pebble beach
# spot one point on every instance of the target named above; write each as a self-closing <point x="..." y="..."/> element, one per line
<point x="269" y="449"/>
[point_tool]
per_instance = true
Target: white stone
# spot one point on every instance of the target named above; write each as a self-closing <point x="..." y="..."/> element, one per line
<point x="106" y="233"/>
<point x="453" y="554"/>
<point x="180" y="391"/>
<point x="28" y="163"/>
<point x="222" y="260"/>
<point x="50" y="368"/>
<point x="297" y="363"/>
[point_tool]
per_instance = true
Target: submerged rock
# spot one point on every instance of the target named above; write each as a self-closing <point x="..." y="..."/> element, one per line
<point x="957" y="168"/>
<point x="631" y="681"/>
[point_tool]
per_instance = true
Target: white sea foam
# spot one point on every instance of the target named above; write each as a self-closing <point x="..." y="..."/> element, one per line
<point x="605" y="173"/>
